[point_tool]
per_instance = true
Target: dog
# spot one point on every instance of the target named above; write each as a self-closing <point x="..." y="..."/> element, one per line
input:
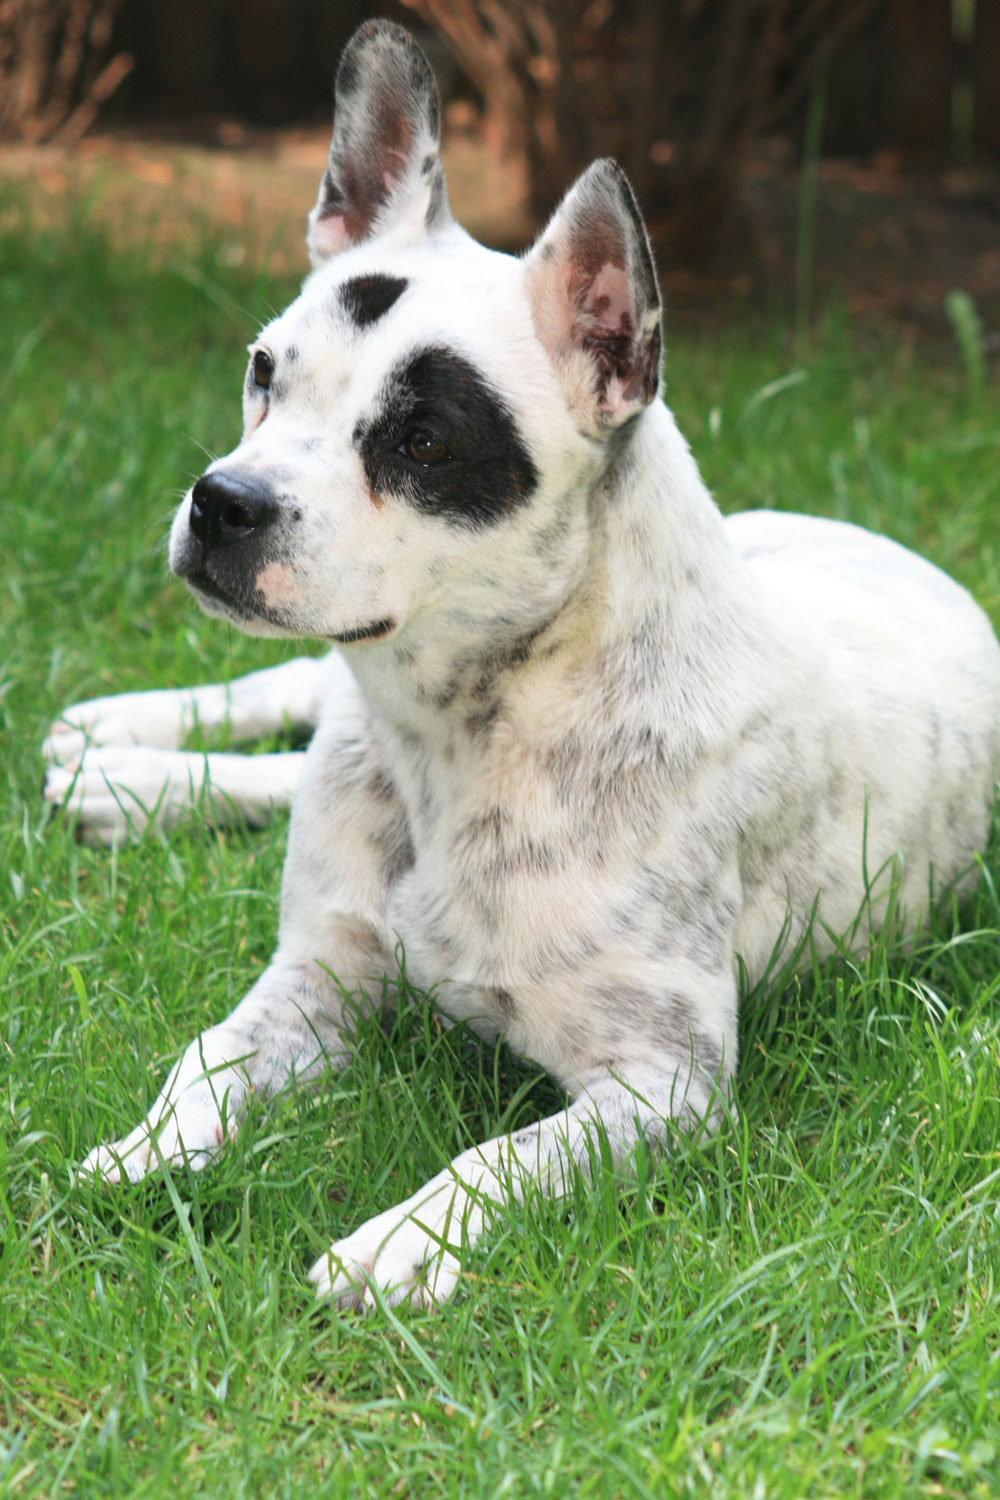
<point x="584" y="747"/>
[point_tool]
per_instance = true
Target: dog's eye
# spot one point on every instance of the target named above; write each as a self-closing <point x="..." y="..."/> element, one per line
<point x="423" y="447"/>
<point x="263" y="369"/>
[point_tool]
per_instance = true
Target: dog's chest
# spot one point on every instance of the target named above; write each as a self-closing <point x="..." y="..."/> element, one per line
<point x="485" y="872"/>
<point x="529" y="904"/>
<point x="505" y="937"/>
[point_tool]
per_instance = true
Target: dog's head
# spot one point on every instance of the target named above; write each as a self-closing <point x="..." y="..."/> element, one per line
<point x="422" y="427"/>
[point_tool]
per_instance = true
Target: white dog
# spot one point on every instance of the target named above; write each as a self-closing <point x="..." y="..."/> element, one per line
<point x="584" y="742"/>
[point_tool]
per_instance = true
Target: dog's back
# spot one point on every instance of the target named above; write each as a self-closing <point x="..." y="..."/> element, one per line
<point x="911" y="688"/>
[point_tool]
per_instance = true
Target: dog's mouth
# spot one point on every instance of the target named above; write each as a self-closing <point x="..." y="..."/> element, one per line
<point x="208" y="590"/>
<point x="244" y="610"/>
<point x="202" y="584"/>
<point x="372" y="632"/>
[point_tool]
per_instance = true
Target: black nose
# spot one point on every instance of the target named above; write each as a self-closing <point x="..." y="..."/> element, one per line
<point x="226" y="509"/>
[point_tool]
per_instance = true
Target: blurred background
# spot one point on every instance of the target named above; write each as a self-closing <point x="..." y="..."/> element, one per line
<point x="784" y="151"/>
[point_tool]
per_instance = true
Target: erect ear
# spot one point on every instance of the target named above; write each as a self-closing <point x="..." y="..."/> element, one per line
<point x="596" y="301"/>
<point x="384" y="171"/>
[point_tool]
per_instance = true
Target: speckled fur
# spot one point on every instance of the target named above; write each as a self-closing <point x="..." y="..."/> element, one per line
<point x="607" y="741"/>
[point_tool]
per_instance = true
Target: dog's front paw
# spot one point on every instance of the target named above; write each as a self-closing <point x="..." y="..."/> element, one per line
<point x="95" y="722"/>
<point x="136" y="1156"/>
<point x="114" y="791"/>
<point x="410" y="1254"/>
<point x="149" y="718"/>
<point x="197" y="1110"/>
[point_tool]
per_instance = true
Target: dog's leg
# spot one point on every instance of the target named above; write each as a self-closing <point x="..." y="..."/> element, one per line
<point x="413" y="1251"/>
<point x="297" y="1017"/>
<point x="114" y="765"/>
<point x="116" y="790"/>
<point x="265" y="702"/>
<point x="291" y="1024"/>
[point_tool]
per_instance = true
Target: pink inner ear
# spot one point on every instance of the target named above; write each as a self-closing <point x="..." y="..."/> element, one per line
<point x="330" y="235"/>
<point x="608" y="301"/>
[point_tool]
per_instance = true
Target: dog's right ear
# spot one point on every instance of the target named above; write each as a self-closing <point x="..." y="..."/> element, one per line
<point x="384" y="173"/>
<point x="595" y="300"/>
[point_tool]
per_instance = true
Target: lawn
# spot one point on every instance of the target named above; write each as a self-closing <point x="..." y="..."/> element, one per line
<point x="807" y="1305"/>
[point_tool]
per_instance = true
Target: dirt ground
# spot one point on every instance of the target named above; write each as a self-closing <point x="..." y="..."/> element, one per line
<point x="890" y="243"/>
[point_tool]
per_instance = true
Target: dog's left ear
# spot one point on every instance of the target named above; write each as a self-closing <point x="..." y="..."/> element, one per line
<point x="596" y="300"/>
<point x="384" y="171"/>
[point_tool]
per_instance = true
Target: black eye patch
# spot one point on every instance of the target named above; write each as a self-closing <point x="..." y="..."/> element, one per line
<point x="438" y="396"/>
<point x="368" y="298"/>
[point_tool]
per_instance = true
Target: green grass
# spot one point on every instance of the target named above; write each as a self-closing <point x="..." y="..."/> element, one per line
<point x="807" y="1305"/>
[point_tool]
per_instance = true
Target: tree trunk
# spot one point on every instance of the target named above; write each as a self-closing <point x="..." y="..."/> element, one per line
<point x="56" y="65"/>
<point x="676" y="89"/>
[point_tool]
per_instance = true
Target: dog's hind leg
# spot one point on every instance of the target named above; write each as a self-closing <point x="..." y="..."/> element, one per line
<point x="114" y="765"/>
<point x="115" y="790"/>
<point x="288" y="696"/>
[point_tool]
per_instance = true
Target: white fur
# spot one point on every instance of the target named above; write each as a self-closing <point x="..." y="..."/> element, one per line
<point x="609" y="743"/>
<point x="114" y="763"/>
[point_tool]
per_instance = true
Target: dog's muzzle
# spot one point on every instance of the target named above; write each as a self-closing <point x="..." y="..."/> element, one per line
<point x="234" y="528"/>
<point x="226" y="510"/>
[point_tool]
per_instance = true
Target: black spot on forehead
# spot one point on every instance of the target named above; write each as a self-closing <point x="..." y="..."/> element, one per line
<point x="488" y="471"/>
<point x="368" y="298"/>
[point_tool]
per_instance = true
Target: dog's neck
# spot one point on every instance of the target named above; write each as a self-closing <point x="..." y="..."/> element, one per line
<point x="654" y="563"/>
